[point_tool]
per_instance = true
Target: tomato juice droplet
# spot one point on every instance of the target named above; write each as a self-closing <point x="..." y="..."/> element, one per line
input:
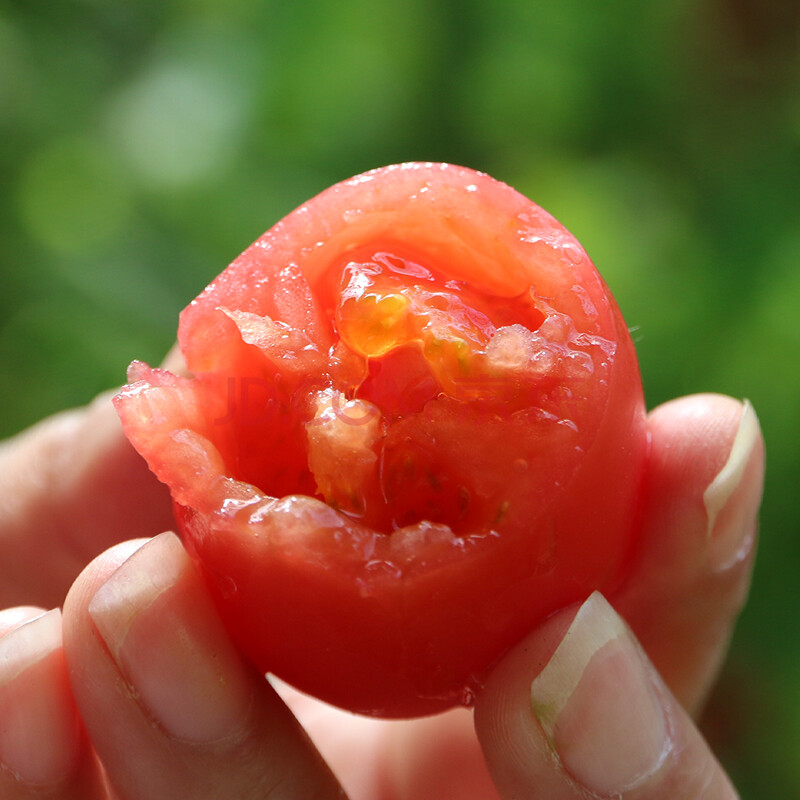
<point x="468" y="696"/>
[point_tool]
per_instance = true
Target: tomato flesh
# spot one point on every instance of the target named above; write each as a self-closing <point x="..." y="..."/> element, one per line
<point x="414" y="428"/>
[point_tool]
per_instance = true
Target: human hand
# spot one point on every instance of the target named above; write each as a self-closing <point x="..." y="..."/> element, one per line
<point x="141" y="676"/>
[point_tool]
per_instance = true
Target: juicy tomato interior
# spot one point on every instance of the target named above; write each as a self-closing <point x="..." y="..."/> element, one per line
<point x="356" y="428"/>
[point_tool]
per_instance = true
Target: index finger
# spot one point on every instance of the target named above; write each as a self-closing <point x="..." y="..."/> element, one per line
<point x="71" y="485"/>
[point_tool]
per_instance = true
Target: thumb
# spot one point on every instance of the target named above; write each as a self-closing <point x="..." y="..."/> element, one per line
<point x="577" y="710"/>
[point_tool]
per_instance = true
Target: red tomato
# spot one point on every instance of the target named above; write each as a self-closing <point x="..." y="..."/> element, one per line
<point x="415" y="428"/>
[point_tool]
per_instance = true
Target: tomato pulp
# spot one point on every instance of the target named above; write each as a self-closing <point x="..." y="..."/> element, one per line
<point x="414" y="427"/>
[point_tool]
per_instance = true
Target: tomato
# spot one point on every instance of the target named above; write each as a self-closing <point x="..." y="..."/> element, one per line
<point x="414" y="428"/>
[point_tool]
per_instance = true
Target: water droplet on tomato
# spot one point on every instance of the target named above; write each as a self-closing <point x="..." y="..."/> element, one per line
<point x="468" y="697"/>
<point x="352" y="214"/>
<point x="573" y="252"/>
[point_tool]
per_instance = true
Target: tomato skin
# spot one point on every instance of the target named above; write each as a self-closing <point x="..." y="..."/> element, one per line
<point x="402" y="623"/>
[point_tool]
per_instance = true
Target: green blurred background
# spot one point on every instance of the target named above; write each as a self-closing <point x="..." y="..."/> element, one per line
<point x="144" y="144"/>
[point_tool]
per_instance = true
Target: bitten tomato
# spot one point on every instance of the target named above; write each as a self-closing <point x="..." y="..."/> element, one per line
<point x="415" y="428"/>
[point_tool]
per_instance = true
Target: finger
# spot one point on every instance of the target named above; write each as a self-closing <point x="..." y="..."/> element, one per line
<point x="577" y="710"/>
<point x="338" y="735"/>
<point x="436" y="757"/>
<point x="421" y="759"/>
<point x="170" y="707"/>
<point x="43" y="751"/>
<point x="71" y="486"/>
<point x="693" y="570"/>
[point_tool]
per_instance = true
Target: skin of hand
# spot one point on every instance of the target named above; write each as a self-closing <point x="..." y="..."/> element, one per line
<point x="135" y="692"/>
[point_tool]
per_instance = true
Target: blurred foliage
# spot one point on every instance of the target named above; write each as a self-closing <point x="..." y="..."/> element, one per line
<point x="144" y="144"/>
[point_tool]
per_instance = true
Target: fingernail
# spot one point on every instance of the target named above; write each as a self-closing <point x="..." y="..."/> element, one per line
<point x="598" y="706"/>
<point x="731" y="514"/>
<point x="39" y="735"/>
<point x="11" y="618"/>
<point x="162" y="630"/>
